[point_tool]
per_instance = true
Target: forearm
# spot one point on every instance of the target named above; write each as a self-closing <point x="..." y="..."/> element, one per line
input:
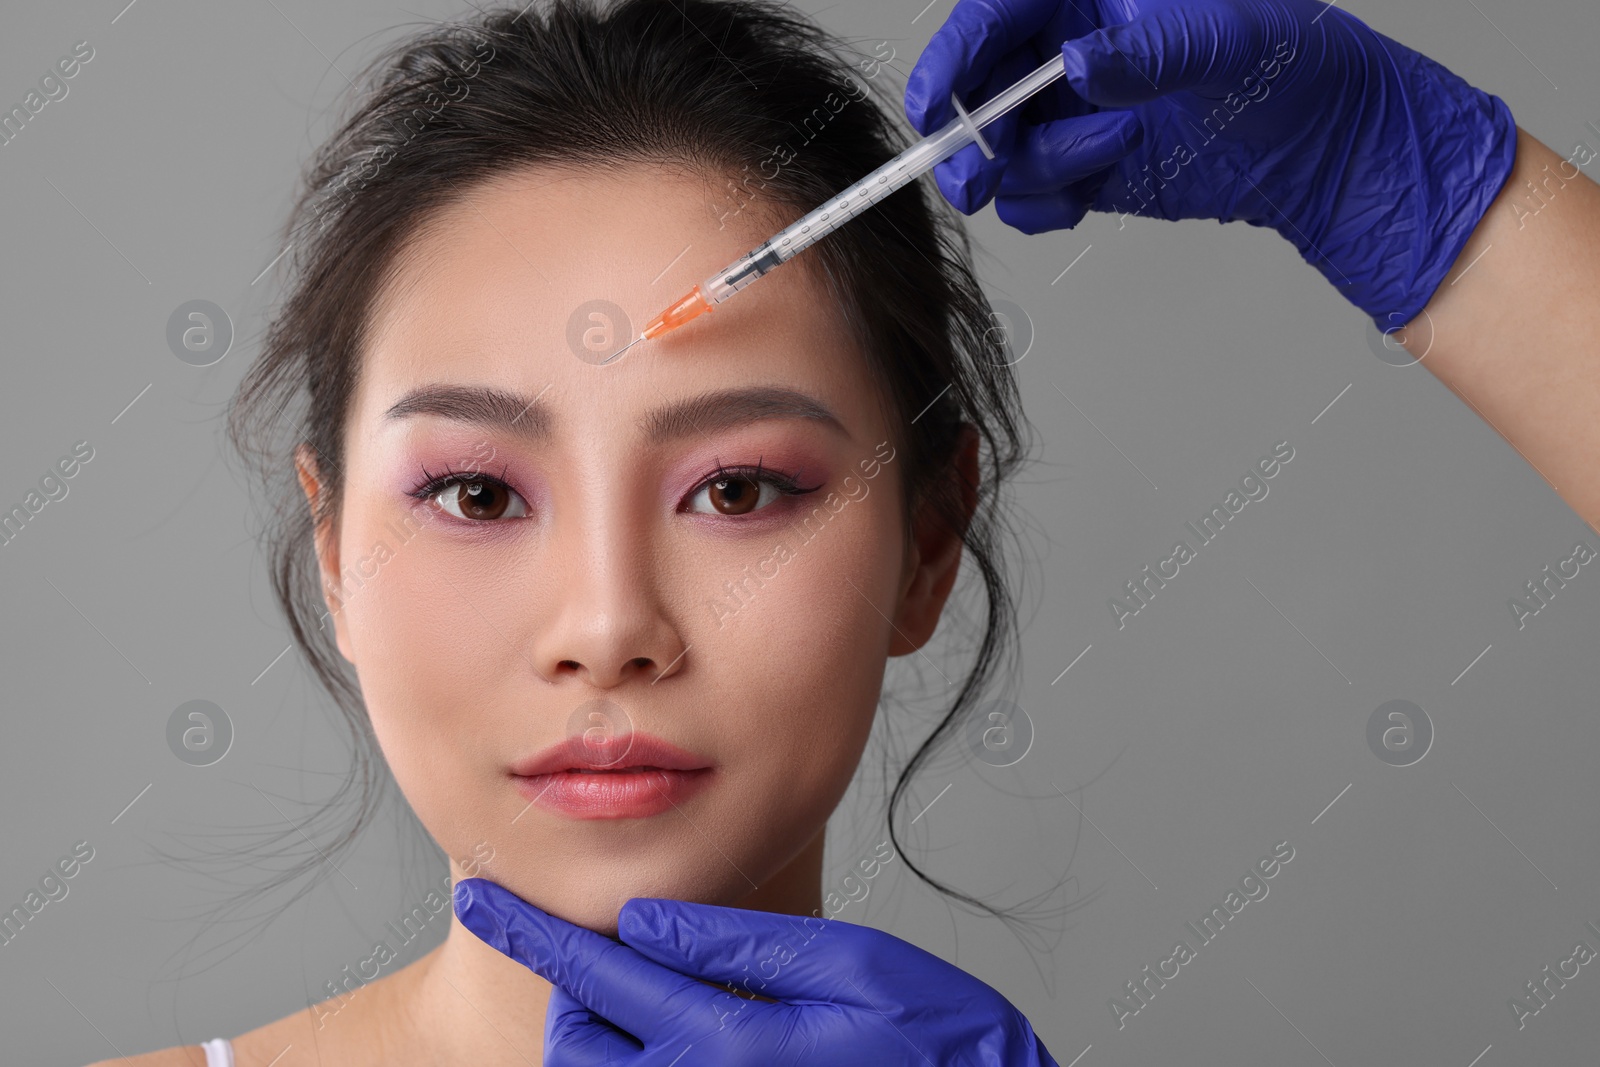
<point x="1514" y="330"/>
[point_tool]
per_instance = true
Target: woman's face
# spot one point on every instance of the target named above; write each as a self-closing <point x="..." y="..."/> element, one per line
<point x="533" y="547"/>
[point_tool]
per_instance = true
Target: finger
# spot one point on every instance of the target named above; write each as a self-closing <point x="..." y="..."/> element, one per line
<point x="969" y="178"/>
<point x="963" y="52"/>
<point x="1046" y="157"/>
<point x="1041" y="212"/>
<point x="787" y="957"/>
<point x="1171" y="49"/>
<point x="956" y="179"/>
<point x="574" y="1036"/>
<point x="623" y="987"/>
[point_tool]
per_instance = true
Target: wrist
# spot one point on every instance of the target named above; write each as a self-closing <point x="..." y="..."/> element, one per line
<point x="1427" y="155"/>
<point x="1471" y="143"/>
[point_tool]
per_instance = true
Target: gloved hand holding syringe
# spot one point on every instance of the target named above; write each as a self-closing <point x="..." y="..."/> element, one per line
<point x="802" y="234"/>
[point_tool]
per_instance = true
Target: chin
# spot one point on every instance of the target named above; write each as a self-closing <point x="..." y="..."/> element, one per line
<point x="595" y="902"/>
<point x="602" y="920"/>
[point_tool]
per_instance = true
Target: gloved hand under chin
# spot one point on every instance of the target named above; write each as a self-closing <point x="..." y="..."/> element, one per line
<point x="1373" y="160"/>
<point x="839" y="994"/>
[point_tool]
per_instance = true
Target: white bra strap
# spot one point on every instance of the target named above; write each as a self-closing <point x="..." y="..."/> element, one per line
<point x="219" y="1052"/>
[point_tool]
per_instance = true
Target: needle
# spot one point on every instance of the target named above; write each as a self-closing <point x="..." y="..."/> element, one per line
<point x="624" y="348"/>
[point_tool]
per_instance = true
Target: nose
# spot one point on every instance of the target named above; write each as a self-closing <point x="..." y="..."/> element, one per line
<point x="609" y="626"/>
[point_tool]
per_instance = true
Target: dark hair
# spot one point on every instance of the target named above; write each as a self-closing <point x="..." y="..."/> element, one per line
<point x="710" y="87"/>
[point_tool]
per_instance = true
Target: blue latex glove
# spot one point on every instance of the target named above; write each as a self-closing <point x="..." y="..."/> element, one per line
<point x="1373" y="160"/>
<point x="842" y="995"/>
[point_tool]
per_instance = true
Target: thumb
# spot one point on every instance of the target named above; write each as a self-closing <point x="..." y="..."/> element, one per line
<point x="1210" y="50"/>
<point x="610" y="979"/>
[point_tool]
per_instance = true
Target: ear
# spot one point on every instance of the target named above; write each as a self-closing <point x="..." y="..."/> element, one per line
<point x="326" y="535"/>
<point x="935" y="556"/>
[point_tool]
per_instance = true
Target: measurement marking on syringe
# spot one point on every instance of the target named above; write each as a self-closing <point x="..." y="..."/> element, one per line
<point x="917" y="159"/>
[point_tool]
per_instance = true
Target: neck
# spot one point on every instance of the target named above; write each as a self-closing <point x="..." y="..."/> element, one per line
<point x="469" y="1003"/>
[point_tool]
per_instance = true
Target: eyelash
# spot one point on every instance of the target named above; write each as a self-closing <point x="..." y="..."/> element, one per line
<point x="434" y="484"/>
<point x="783" y="483"/>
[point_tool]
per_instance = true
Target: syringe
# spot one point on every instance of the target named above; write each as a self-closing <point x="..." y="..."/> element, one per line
<point x="907" y="166"/>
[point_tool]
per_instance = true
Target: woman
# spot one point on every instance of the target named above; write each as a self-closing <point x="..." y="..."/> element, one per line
<point x="592" y="597"/>
<point x="545" y="569"/>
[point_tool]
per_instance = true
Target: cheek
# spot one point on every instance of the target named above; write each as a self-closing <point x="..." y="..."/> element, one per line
<point x="411" y="621"/>
<point x="804" y="639"/>
<point x="431" y="666"/>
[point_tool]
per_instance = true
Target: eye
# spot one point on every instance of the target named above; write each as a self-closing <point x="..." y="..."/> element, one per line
<point x="735" y="494"/>
<point x="474" y="497"/>
<point x="742" y="490"/>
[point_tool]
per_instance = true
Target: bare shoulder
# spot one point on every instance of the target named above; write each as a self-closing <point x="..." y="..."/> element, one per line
<point x="291" y="1039"/>
<point x="177" y="1056"/>
<point x="351" y="1030"/>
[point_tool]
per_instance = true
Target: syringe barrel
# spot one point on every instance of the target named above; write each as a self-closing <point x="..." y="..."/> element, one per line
<point x="893" y="175"/>
<point x="899" y="171"/>
<point x="838" y="210"/>
<point x="741" y="273"/>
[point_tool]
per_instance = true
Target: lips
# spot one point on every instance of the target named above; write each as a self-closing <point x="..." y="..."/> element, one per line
<point x="633" y="776"/>
<point x="609" y="754"/>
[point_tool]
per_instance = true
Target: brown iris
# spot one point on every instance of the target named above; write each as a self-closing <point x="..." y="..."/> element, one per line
<point x="734" y="495"/>
<point x="482" y="500"/>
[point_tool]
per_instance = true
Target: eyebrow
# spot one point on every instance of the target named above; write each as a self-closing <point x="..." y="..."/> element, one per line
<point x="528" y="417"/>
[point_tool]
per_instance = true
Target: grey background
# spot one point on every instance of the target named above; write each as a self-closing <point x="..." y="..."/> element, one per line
<point x="1193" y="740"/>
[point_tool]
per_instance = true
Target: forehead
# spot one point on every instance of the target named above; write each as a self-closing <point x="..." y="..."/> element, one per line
<point x="499" y="287"/>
